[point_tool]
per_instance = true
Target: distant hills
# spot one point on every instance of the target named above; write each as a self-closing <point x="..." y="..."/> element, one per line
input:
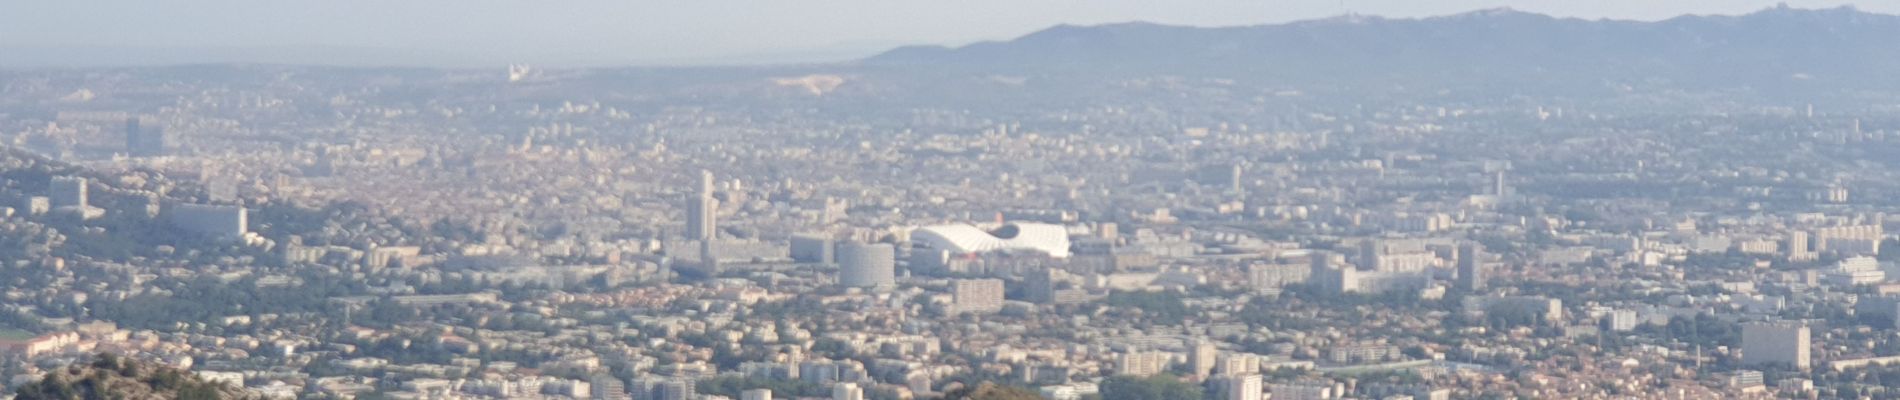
<point x="1775" y="46"/>
<point x="1840" y="57"/>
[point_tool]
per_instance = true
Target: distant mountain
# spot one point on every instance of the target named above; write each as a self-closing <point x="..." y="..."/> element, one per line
<point x="1774" y="46"/>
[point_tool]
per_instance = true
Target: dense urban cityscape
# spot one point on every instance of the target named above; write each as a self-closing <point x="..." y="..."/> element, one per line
<point x="822" y="232"/>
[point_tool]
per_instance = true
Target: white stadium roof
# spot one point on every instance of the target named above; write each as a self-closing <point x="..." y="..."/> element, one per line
<point x="964" y="238"/>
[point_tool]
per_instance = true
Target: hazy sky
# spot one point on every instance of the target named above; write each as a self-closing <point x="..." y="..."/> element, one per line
<point x="701" y="31"/>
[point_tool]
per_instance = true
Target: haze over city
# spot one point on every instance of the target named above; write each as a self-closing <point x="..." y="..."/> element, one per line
<point x="980" y="200"/>
<point x="449" y="33"/>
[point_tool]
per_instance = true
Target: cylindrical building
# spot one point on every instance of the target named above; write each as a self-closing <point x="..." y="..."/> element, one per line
<point x="867" y="265"/>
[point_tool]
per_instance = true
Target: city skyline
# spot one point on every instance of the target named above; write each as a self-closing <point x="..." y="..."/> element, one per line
<point x="1492" y="205"/>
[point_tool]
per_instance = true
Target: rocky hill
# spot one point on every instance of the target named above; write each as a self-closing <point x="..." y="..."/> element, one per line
<point x="109" y="377"/>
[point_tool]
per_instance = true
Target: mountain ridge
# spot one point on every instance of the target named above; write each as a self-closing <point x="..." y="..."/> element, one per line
<point x="1840" y="43"/>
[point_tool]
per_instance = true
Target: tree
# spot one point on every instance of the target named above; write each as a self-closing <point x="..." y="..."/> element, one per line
<point x="732" y="386"/>
<point x="991" y="391"/>
<point x="1158" y="307"/>
<point x="1158" y="387"/>
<point x="109" y="377"/>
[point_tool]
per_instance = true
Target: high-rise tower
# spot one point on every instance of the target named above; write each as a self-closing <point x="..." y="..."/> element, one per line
<point x="143" y="141"/>
<point x="702" y="211"/>
<point x="1470" y="267"/>
<point x="1500" y="188"/>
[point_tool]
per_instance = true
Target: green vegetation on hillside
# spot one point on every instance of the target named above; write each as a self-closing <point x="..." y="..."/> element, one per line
<point x="110" y="377"/>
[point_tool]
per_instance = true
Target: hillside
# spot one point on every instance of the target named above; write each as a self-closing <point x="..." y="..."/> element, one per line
<point x="111" y="377"/>
<point x="1841" y="46"/>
